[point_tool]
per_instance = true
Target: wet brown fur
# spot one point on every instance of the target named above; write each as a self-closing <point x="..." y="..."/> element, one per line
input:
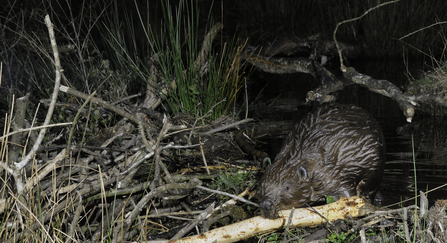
<point x="330" y="152"/>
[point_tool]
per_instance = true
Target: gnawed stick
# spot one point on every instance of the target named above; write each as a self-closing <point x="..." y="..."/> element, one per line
<point x="343" y="208"/>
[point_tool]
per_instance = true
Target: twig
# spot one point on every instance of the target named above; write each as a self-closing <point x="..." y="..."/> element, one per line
<point x="233" y="200"/>
<point x="203" y="155"/>
<point x="193" y="223"/>
<point x="35" y="128"/>
<point x="286" y="232"/>
<point x="158" y="148"/>
<point x="206" y="224"/>
<point x="207" y="114"/>
<point x="172" y="145"/>
<point x="45" y="171"/>
<point x="206" y="45"/>
<point x="126" y="98"/>
<point x="157" y="160"/>
<point x="143" y="135"/>
<point x="172" y="214"/>
<point x="382" y="87"/>
<point x="168" y="175"/>
<point x="188" y="185"/>
<point x="57" y="82"/>
<point x="334" y="36"/>
<point x="412" y="198"/>
<point x="107" y="105"/>
<point x="221" y="128"/>
<point x="229" y="195"/>
<point x="363" y="236"/>
<point x="74" y="222"/>
<point x="184" y="129"/>
<point x="426" y="27"/>
<point x="133" y="166"/>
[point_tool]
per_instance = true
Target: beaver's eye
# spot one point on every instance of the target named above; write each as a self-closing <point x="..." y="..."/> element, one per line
<point x="286" y="189"/>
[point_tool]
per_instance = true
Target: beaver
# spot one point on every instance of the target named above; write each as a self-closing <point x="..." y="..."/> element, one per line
<point x="335" y="150"/>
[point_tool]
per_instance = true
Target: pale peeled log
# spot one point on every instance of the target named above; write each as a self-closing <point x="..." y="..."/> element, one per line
<point x="343" y="208"/>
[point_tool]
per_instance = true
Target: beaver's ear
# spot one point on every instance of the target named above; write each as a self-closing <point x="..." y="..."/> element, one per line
<point x="302" y="172"/>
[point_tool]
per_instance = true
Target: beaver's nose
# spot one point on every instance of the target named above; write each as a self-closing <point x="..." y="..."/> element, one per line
<point x="267" y="204"/>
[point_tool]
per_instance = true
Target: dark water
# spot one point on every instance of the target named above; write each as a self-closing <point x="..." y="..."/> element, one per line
<point x="280" y="99"/>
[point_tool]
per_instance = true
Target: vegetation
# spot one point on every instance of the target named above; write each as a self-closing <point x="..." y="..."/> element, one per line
<point x="431" y="83"/>
<point x="178" y="47"/>
<point x="235" y="181"/>
<point x="340" y="238"/>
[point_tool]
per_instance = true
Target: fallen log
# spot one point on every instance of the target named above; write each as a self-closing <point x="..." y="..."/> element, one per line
<point x="343" y="208"/>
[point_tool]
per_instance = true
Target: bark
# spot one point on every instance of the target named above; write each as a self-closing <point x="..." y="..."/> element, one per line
<point x="280" y="65"/>
<point x="382" y="87"/>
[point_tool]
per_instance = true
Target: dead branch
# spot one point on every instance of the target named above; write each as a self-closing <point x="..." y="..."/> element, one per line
<point x="35" y="128"/>
<point x="206" y="46"/>
<point x="193" y="223"/>
<point x="382" y="87"/>
<point x="188" y="185"/>
<point x="57" y="82"/>
<point x="98" y="101"/>
<point x="229" y="195"/>
<point x="219" y="129"/>
<point x="280" y="65"/>
<point x="330" y="83"/>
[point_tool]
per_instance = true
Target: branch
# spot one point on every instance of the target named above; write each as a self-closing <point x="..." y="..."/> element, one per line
<point x="59" y="70"/>
<point x="228" y="195"/>
<point x="35" y="128"/>
<point x="134" y="213"/>
<point x="280" y="65"/>
<point x="344" y="208"/>
<point x="382" y="87"/>
<point x="224" y="127"/>
<point x="98" y="101"/>
<point x="206" y="46"/>
<point x="194" y="222"/>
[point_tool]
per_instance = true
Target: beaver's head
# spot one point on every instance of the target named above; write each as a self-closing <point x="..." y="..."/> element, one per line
<point x="284" y="186"/>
